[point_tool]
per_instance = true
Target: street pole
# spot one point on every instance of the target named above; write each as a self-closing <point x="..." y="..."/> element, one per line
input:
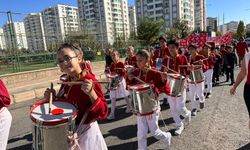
<point x="15" y="42"/>
<point x="12" y="39"/>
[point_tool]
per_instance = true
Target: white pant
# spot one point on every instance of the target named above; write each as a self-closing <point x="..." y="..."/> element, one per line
<point x="92" y="139"/>
<point x="208" y="79"/>
<point x="113" y="105"/>
<point x="178" y="107"/>
<point x="196" y="89"/>
<point x="5" y="123"/>
<point x="149" y="122"/>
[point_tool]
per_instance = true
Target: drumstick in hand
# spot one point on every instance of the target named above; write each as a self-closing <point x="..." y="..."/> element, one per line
<point x="80" y="82"/>
<point x="51" y="97"/>
<point x="200" y="60"/>
<point x="170" y="69"/>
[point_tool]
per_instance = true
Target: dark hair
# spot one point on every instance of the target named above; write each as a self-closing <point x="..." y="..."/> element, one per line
<point x="162" y="38"/>
<point x="207" y="45"/>
<point x="173" y="42"/>
<point x="193" y="46"/>
<point x="76" y="49"/>
<point x="143" y="53"/>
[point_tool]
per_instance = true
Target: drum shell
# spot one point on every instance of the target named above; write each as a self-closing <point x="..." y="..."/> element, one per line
<point x="50" y="131"/>
<point x="143" y="102"/>
<point x="176" y="84"/>
<point x="198" y="76"/>
<point x="52" y="137"/>
<point x="114" y="82"/>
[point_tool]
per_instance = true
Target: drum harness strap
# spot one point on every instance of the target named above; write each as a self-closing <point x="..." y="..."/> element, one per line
<point x="73" y="136"/>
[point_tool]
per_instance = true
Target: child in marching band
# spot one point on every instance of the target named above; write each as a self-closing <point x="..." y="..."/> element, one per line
<point x="209" y="73"/>
<point x="131" y="58"/>
<point x="149" y="121"/>
<point x="5" y="116"/>
<point x="177" y="102"/>
<point x="117" y="67"/>
<point x="87" y="97"/>
<point x="196" y="88"/>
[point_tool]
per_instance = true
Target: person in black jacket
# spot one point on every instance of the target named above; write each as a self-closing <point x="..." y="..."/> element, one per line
<point x="216" y="74"/>
<point x="230" y="62"/>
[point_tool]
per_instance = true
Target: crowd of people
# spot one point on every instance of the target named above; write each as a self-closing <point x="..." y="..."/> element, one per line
<point x="154" y="74"/>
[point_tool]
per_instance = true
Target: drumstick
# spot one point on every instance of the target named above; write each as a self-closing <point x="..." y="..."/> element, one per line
<point x="138" y="79"/>
<point x="155" y="70"/>
<point x="80" y="82"/>
<point x="200" y="60"/>
<point x="170" y="69"/>
<point x="189" y="65"/>
<point x="51" y="97"/>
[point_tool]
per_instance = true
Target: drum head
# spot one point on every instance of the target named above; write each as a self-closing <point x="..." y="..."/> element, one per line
<point x="112" y="76"/>
<point x="176" y="76"/>
<point x="39" y="113"/>
<point x="139" y="87"/>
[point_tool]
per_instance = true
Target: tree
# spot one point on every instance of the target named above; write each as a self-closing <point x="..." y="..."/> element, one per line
<point x="149" y="31"/>
<point x="241" y="30"/>
<point x="218" y="33"/>
<point x="179" y="29"/>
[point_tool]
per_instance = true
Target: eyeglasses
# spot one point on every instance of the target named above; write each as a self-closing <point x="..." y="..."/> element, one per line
<point x="66" y="59"/>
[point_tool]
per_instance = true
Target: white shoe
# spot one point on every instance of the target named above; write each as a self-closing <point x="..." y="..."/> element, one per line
<point x="187" y="119"/>
<point x="111" y="117"/>
<point x="168" y="141"/>
<point x="179" y="130"/>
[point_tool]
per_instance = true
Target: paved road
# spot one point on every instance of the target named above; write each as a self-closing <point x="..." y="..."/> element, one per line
<point x="222" y="125"/>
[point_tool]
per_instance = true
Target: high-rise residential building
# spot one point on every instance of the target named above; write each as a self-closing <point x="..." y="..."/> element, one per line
<point x="35" y="32"/>
<point x="132" y="20"/>
<point x="200" y="15"/>
<point x="222" y="28"/>
<point x="15" y="36"/>
<point x="58" y="22"/>
<point x="211" y="24"/>
<point x="248" y="27"/>
<point x="2" y="40"/>
<point x="232" y="26"/>
<point x="168" y="10"/>
<point x="107" y="20"/>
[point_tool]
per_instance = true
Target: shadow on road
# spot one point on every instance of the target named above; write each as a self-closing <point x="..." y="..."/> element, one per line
<point x="245" y="147"/>
<point x="119" y="115"/>
<point x="23" y="147"/>
<point x="123" y="133"/>
<point x="131" y="145"/>
<point x="27" y="137"/>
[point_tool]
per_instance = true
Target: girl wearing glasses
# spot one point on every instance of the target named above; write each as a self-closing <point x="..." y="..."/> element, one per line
<point x="87" y="97"/>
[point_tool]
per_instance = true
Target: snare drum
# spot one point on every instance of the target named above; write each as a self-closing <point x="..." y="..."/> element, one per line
<point x="129" y="69"/>
<point x="176" y="83"/>
<point x="197" y="76"/>
<point x="50" y="131"/>
<point x="143" y="99"/>
<point x="114" y="81"/>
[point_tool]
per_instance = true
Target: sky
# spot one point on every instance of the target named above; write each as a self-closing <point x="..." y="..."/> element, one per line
<point x="234" y="10"/>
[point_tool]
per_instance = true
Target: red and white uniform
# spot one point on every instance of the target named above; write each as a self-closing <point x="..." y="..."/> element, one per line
<point x="150" y="121"/>
<point x="209" y="73"/>
<point x="92" y="138"/>
<point x="131" y="61"/>
<point x="120" y="92"/>
<point x="5" y="116"/>
<point x="177" y="104"/>
<point x="197" y="88"/>
<point x="160" y="54"/>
